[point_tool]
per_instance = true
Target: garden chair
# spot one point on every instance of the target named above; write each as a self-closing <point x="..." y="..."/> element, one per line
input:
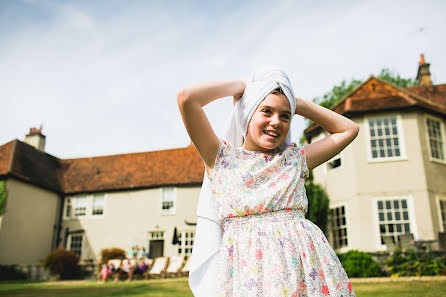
<point x="389" y="242"/>
<point x="185" y="270"/>
<point x="175" y="265"/>
<point x="406" y="241"/>
<point x="158" y="268"/>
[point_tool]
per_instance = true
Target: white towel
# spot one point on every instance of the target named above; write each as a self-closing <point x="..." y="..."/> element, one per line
<point x="209" y="233"/>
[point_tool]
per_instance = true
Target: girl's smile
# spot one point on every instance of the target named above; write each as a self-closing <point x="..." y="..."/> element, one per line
<point x="269" y="124"/>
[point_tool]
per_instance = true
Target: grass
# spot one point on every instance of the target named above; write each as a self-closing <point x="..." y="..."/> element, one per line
<point x="180" y="288"/>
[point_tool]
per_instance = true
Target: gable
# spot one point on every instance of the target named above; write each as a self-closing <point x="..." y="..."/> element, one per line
<point x="375" y="95"/>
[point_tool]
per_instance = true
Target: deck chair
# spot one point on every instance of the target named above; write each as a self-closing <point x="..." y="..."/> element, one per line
<point x="158" y="268"/>
<point x="389" y="242"/>
<point x="116" y="263"/>
<point x="175" y="265"/>
<point x="406" y="241"/>
<point x="185" y="270"/>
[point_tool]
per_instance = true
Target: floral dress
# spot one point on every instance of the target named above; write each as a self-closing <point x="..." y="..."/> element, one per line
<point x="268" y="247"/>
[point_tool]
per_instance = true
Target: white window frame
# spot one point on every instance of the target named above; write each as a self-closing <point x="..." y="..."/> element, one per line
<point x="410" y="209"/>
<point x="401" y="138"/>
<point x="347" y="224"/>
<point x="439" y="198"/>
<point x="89" y="208"/>
<point x="443" y="135"/>
<point x="82" y="246"/>
<point x="68" y="202"/>
<point x="92" y="205"/>
<point x="183" y="246"/>
<point x="171" y="211"/>
<point x="75" y="204"/>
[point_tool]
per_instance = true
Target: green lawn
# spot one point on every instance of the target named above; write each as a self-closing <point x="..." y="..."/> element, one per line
<point x="180" y="288"/>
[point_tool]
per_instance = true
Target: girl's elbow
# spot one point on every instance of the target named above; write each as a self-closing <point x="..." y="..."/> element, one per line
<point x="182" y="96"/>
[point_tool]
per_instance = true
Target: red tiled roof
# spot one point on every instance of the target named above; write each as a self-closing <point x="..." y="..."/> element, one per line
<point x="104" y="173"/>
<point x="149" y="169"/>
<point x="378" y="95"/>
<point x="5" y="157"/>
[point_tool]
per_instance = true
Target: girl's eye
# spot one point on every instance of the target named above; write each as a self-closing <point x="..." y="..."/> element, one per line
<point x="286" y="117"/>
<point x="266" y="110"/>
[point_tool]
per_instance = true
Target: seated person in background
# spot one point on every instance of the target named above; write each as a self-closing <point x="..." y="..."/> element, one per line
<point x="105" y="272"/>
<point x="141" y="268"/>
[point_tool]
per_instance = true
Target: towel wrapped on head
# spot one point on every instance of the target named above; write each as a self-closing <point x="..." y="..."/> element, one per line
<point x="258" y="85"/>
<point x="209" y="233"/>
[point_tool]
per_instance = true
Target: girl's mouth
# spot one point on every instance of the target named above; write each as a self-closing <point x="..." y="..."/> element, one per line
<point x="271" y="133"/>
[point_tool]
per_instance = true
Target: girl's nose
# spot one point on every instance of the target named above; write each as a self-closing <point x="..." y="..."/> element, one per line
<point x="275" y="121"/>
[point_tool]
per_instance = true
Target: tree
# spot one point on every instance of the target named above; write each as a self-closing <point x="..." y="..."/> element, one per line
<point x="317" y="204"/>
<point x="3" y="195"/>
<point x="338" y="92"/>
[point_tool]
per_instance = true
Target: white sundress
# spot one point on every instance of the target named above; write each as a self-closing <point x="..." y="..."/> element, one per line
<point x="268" y="247"/>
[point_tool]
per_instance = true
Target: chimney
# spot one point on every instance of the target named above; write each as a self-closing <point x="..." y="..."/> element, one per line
<point x="423" y="75"/>
<point x="35" y="138"/>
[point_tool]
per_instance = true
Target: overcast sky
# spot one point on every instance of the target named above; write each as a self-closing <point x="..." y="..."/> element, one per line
<point x="102" y="76"/>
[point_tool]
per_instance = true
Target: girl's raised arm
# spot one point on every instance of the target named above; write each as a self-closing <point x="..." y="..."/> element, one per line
<point x="342" y="129"/>
<point x="191" y="100"/>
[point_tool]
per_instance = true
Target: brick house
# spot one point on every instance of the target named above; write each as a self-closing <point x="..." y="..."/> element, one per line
<point x="87" y="204"/>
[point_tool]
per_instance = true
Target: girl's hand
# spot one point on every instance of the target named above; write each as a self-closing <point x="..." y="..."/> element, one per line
<point x="239" y="93"/>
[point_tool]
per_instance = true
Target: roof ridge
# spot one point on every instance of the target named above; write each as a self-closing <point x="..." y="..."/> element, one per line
<point x="352" y="92"/>
<point x="133" y="153"/>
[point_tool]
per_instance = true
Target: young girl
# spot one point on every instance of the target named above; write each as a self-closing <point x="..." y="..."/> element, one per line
<point x="252" y="238"/>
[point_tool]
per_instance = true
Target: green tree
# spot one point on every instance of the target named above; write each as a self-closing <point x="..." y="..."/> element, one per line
<point x="3" y="195"/>
<point x="317" y="204"/>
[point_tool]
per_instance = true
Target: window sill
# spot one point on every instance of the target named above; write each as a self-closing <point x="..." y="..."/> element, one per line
<point x="387" y="160"/>
<point x="443" y="162"/>
<point x="168" y="214"/>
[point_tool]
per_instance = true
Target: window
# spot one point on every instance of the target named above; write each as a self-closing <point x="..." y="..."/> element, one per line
<point x="436" y="142"/>
<point x="75" y="244"/>
<point x="81" y="206"/>
<point x="157" y="235"/>
<point x="68" y="208"/>
<point x="384" y="137"/>
<point x="98" y="205"/>
<point x="186" y="239"/>
<point x="168" y="201"/>
<point x="334" y="162"/>
<point x="393" y="217"/>
<point x="84" y="206"/>
<point x="339" y="227"/>
<point x="443" y="214"/>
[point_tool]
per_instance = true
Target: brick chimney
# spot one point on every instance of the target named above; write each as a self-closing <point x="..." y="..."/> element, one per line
<point x="36" y="138"/>
<point x="423" y="75"/>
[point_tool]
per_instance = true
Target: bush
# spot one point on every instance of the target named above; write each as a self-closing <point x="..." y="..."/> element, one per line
<point x="63" y="262"/>
<point x="11" y="272"/>
<point x="413" y="263"/>
<point x="359" y="264"/>
<point x="112" y="253"/>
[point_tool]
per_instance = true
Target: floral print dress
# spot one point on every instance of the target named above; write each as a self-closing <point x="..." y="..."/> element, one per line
<point x="268" y="247"/>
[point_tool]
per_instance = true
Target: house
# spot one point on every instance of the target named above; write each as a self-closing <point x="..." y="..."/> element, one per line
<point x="391" y="179"/>
<point x="87" y="204"/>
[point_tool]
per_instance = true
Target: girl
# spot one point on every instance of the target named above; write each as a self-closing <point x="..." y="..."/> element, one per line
<point x="254" y="188"/>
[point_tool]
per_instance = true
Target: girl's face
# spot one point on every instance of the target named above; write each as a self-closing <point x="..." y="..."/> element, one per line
<point x="269" y="124"/>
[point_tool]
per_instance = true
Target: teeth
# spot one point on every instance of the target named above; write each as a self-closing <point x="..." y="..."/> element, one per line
<point x="271" y="133"/>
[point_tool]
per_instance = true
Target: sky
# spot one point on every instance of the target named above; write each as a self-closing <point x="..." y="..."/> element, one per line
<point x="101" y="77"/>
